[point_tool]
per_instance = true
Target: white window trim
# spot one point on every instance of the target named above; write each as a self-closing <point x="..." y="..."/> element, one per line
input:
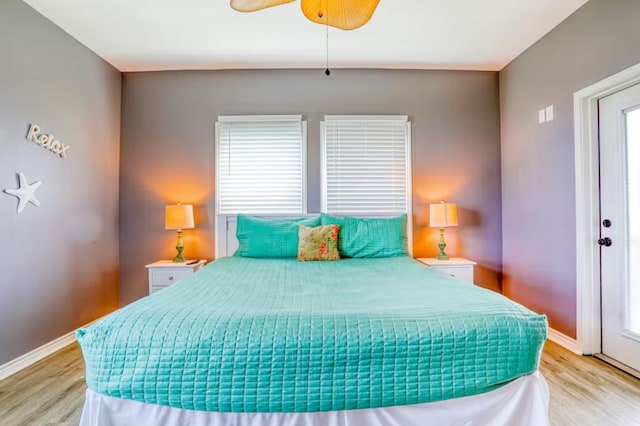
<point x="220" y="219"/>
<point x="235" y="118"/>
<point x="409" y="176"/>
<point x="367" y="117"/>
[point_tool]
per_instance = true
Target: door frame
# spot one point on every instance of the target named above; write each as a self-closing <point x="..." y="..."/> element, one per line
<point x="587" y="186"/>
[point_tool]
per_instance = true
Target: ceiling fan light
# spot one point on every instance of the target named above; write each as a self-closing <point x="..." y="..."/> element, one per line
<point x="343" y="14"/>
<point x="254" y="5"/>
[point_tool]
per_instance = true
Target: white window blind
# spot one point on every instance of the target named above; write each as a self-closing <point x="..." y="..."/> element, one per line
<point x="366" y="165"/>
<point x="261" y="164"/>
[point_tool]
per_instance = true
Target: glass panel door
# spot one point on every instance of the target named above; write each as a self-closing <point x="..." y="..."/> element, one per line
<point x="620" y="233"/>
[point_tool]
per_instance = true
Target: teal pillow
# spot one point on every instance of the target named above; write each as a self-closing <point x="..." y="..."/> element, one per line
<point x="269" y="238"/>
<point x="370" y="237"/>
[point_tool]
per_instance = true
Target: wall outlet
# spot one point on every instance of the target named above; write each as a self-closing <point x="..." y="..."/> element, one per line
<point x="542" y="116"/>
<point x="549" y="113"/>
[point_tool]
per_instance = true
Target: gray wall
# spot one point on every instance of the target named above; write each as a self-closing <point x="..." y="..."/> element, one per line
<point x="168" y="151"/>
<point x="59" y="261"/>
<point x="538" y="196"/>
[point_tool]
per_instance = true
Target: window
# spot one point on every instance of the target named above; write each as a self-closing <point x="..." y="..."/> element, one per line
<point x="261" y="164"/>
<point x="366" y="165"/>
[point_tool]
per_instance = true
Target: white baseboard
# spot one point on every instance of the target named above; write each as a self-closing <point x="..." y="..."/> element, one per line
<point x="564" y="341"/>
<point x="37" y="354"/>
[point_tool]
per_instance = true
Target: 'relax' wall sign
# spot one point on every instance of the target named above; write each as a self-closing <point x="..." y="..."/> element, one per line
<point x="47" y="141"/>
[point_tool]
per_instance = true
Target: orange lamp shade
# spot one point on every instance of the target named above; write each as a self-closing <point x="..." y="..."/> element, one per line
<point x="178" y="216"/>
<point x="343" y="14"/>
<point x="443" y="215"/>
<point x="253" y="5"/>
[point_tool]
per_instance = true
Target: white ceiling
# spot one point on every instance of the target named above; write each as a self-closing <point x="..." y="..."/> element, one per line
<point x="142" y="35"/>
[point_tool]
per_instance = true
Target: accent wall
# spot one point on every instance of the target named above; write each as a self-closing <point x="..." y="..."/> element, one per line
<point x="60" y="260"/>
<point x="538" y="184"/>
<point x="168" y="152"/>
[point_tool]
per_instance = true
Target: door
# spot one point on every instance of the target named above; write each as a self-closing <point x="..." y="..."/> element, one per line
<point x="620" y="225"/>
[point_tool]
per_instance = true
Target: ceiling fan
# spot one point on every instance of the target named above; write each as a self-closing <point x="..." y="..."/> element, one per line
<point x="342" y="14"/>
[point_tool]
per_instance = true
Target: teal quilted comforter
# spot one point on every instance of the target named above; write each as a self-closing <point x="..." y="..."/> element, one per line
<point x="265" y="335"/>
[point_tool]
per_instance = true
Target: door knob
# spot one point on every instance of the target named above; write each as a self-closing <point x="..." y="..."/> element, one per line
<point x="605" y="242"/>
<point x="606" y="223"/>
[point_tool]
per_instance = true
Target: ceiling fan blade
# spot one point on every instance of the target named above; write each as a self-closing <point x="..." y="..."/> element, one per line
<point x="343" y="14"/>
<point x="254" y="5"/>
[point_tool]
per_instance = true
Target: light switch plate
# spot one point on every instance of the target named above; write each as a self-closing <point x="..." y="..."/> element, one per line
<point x="542" y="116"/>
<point x="549" y="113"/>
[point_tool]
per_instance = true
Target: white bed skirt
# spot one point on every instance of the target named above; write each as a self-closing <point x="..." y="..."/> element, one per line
<point x="523" y="402"/>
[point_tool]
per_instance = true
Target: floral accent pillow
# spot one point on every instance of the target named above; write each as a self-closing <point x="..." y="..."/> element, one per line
<point x="319" y="243"/>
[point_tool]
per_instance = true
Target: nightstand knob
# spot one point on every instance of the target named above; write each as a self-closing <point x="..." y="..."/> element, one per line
<point x="171" y="278"/>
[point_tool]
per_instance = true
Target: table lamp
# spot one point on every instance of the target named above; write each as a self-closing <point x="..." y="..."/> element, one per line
<point x="443" y="215"/>
<point x="178" y="217"/>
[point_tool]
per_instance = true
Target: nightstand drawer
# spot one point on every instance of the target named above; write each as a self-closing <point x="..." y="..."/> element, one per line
<point x="456" y="267"/>
<point x="465" y="273"/>
<point x="168" y="277"/>
<point x="165" y="273"/>
<point x="163" y="278"/>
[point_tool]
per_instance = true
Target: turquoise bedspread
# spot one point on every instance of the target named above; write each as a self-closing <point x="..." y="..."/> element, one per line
<point x="265" y="335"/>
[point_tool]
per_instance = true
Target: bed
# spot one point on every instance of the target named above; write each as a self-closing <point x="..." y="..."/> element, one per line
<point x="354" y="342"/>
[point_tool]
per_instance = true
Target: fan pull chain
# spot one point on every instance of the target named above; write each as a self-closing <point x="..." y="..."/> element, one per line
<point x="327" y="71"/>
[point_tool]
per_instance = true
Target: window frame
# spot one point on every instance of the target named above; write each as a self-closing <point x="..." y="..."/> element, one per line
<point x="323" y="159"/>
<point x="409" y="168"/>
<point x="260" y="118"/>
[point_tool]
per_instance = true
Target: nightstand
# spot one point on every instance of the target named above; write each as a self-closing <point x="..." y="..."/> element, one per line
<point x="164" y="273"/>
<point x="455" y="266"/>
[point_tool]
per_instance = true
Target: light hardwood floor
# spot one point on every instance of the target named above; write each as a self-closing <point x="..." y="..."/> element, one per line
<point x="584" y="391"/>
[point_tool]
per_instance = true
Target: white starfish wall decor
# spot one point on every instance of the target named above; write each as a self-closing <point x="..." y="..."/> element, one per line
<point x="26" y="193"/>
